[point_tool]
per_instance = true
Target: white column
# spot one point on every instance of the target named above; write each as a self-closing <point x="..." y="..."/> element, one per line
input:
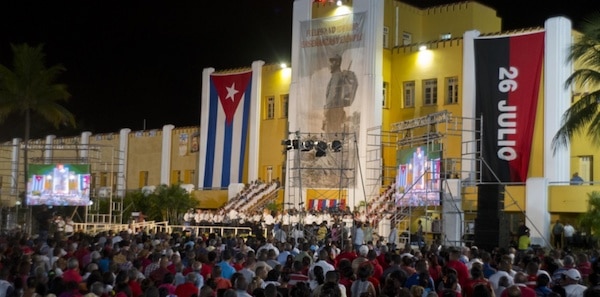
<point x="48" y="149"/>
<point x="538" y="217"/>
<point x="452" y="213"/>
<point x="254" y="127"/>
<point x="557" y="99"/>
<point x="14" y="166"/>
<point x="205" y="107"/>
<point x="122" y="167"/>
<point x="165" y="157"/>
<point x="469" y="147"/>
<point x="84" y="146"/>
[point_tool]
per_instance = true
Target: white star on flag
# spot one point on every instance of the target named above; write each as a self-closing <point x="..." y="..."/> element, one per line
<point x="231" y="91"/>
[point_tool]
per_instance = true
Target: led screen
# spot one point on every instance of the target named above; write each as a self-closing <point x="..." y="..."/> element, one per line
<point x="58" y="184"/>
<point x="418" y="176"/>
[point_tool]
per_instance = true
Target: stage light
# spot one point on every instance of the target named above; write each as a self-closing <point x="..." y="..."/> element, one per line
<point x="306" y="145"/>
<point x="321" y="148"/>
<point x="290" y="144"/>
<point x="336" y="146"/>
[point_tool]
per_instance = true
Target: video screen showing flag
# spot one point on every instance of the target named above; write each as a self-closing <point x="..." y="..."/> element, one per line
<point x="58" y="184"/>
<point x="418" y="176"/>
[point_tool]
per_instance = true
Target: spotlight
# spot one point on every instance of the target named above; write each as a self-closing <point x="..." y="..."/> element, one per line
<point x="336" y="145"/>
<point x="321" y="148"/>
<point x="290" y="144"/>
<point x="307" y="145"/>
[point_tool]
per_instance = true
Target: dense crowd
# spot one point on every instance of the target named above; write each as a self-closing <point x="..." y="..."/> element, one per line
<point x="138" y="264"/>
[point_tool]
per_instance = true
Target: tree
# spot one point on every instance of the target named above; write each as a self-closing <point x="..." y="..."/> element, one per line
<point x="583" y="113"/>
<point x="166" y="203"/>
<point x="30" y="87"/>
<point x="590" y="220"/>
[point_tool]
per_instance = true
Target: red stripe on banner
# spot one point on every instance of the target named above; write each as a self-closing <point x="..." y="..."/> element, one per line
<point x="527" y="56"/>
<point x="508" y="71"/>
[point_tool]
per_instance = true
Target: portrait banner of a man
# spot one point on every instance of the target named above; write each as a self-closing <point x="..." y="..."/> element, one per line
<point x="331" y="65"/>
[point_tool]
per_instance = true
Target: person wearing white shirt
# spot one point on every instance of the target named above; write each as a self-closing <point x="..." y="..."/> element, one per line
<point x="297" y="232"/>
<point x="359" y="236"/>
<point x="504" y="268"/>
<point x="322" y="262"/>
<point x="571" y="282"/>
<point x="269" y="222"/>
<point x="188" y="217"/>
<point x="393" y="237"/>
<point x="568" y="232"/>
<point x="309" y="219"/>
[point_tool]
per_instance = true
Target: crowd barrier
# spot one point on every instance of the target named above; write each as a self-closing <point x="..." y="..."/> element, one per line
<point x="154" y="227"/>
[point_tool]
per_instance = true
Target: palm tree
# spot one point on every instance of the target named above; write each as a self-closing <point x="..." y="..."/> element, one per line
<point x="590" y="220"/>
<point x="584" y="112"/>
<point x="166" y="203"/>
<point x="30" y="87"/>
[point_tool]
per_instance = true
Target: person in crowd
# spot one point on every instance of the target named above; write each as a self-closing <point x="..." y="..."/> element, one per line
<point x="571" y="283"/>
<point x="557" y="234"/>
<point x="568" y="233"/>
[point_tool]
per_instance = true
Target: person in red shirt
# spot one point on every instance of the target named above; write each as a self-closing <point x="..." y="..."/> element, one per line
<point x="462" y="272"/>
<point x="476" y="280"/>
<point x="207" y="267"/>
<point x="381" y="258"/>
<point x="347" y="253"/>
<point x="72" y="273"/>
<point x="134" y="283"/>
<point x="520" y="279"/>
<point x="188" y="288"/>
<point x="377" y="269"/>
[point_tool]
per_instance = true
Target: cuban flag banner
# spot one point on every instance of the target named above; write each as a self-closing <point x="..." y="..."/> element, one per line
<point x="508" y="71"/>
<point x="224" y="131"/>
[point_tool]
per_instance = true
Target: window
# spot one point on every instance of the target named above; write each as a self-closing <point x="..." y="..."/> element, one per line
<point x="386" y="37"/>
<point x="406" y="38"/>
<point x="409" y="94"/>
<point x="285" y="105"/>
<point x="452" y="90"/>
<point x="188" y="176"/>
<point x="270" y="112"/>
<point x="103" y="179"/>
<point x="143" y="179"/>
<point x="384" y="95"/>
<point x="175" y="177"/>
<point x="585" y="168"/>
<point x="430" y="91"/>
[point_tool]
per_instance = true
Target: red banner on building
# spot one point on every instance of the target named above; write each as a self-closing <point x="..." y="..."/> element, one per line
<point x="508" y="71"/>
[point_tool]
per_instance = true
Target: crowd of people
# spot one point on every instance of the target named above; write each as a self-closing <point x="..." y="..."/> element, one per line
<point x="135" y="264"/>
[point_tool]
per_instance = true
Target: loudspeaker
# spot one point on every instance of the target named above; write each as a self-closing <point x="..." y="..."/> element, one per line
<point x="490" y="221"/>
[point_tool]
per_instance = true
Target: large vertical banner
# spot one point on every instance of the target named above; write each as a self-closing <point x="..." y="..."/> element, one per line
<point x="332" y="52"/>
<point x="223" y="140"/>
<point x="508" y="71"/>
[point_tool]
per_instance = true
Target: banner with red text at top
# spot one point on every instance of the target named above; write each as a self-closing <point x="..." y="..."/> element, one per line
<point x="508" y="71"/>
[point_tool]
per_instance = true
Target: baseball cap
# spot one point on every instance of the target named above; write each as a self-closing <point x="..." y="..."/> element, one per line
<point x="573" y="274"/>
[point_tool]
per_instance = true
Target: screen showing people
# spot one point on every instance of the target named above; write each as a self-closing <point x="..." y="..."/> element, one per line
<point x="418" y="176"/>
<point x="58" y="184"/>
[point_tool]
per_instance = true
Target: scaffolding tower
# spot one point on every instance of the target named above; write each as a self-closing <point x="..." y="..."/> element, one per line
<point x="323" y="163"/>
<point x="441" y="133"/>
<point x="103" y="161"/>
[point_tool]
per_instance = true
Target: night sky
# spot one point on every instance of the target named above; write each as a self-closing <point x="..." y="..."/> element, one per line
<point x="138" y="64"/>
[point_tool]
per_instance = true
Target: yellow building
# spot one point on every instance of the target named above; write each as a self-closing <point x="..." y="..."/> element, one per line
<point x="409" y="63"/>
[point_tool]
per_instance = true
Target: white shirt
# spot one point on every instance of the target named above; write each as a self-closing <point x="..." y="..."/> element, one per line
<point x="495" y="278"/>
<point x="569" y="230"/>
<point x="575" y="290"/>
<point x="359" y="236"/>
